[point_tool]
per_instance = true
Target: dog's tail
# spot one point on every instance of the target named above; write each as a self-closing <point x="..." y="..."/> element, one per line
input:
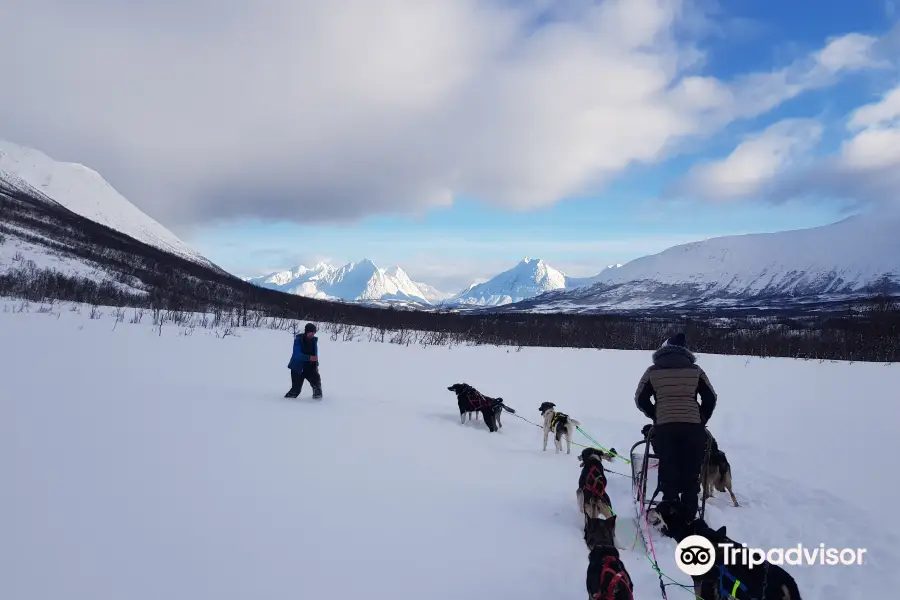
<point x="575" y="424"/>
<point x="726" y="479"/>
<point x="507" y="409"/>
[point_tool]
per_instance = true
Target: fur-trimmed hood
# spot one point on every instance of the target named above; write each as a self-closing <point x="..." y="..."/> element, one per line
<point x="673" y="357"/>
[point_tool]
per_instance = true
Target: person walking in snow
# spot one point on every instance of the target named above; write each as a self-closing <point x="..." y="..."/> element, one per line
<point x="679" y="422"/>
<point x="304" y="363"/>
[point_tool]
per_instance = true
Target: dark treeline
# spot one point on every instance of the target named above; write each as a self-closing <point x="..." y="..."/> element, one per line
<point x="142" y="276"/>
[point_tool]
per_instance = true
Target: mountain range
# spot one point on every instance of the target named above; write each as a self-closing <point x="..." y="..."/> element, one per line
<point x="855" y="257"/>
<point x="364" y="281"/>
<point x="849" y="259"/>
<point x="529" y="278"/>
<point x="354" y="282"/>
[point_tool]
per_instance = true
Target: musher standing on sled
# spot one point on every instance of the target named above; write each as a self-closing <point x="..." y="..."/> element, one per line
<point x="679" y="422"/>
<point x="304" y="363"/>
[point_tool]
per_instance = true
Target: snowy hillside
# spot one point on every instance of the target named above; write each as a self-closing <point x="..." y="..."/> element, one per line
<point x="842" y="260"/>
<point x="206" y="483"/>
<point x="359" y="281"/>
<point x="86" y="193"/>
<point x="573" y="283"/>
<point x="529" y="278"/>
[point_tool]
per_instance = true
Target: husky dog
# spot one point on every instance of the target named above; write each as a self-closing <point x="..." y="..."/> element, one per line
<point x="471" y="401"/>
<point x="718" y="472"/>
<point x="560" y="423"/>
<point x="761" y="582"/>
<point x="607" y="578"/>
<point x="593" y="501"/>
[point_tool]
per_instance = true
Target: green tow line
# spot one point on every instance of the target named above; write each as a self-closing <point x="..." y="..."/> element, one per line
<point x="596" y="443"/>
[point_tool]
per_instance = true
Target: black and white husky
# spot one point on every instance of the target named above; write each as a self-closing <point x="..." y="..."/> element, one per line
<point x="560" y="424"/>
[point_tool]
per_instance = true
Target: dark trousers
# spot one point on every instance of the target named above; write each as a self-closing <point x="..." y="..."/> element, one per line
<point x="681" y="448"/>
<point x="309" y="373"/>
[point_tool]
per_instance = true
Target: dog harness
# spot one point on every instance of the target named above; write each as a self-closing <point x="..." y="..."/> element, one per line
<point x="734" y="585"/>
<point x="558" y="418"/>
<point x="595" y="482"/>
<point x="477" y="400"/>
<point x="613" y="577"/>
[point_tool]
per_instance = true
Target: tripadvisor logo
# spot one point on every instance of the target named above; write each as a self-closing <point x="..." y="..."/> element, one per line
<point x="695" y="555"/>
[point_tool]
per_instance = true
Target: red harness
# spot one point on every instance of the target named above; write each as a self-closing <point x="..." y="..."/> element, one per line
<point x="608" y="592"/>
<point x="477" y="400"/>
<point x="595" y="482"/>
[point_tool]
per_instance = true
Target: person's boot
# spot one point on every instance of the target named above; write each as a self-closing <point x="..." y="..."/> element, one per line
<point x="317" y="393"/>
<point x="291" y="394"/>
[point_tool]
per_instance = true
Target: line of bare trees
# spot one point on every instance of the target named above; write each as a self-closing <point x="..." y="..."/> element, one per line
<point x="866" y="331"/>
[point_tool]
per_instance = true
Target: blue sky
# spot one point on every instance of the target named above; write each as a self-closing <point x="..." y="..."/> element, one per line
<point x="459" y="138"/>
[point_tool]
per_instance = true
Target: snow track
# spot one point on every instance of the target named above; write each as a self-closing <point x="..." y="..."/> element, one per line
<point x="142" y="466"/>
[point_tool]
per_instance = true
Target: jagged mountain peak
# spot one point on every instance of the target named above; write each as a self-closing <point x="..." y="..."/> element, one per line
<point x="365" y="263"/>
<point x="528" y="278"/>
<point x="360" y="280"/>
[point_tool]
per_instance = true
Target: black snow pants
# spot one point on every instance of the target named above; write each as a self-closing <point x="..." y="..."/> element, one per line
<point x="681" y="448"/>
<point x="309" y="373"/>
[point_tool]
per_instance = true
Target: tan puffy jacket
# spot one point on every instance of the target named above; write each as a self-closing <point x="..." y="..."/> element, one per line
<point x="675" y="380"/>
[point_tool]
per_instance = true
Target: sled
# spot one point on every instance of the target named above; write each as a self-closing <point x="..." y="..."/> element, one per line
<point x="640" y="471"/>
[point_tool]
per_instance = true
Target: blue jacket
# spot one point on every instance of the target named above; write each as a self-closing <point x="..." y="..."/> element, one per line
<point x="303" y="349"/>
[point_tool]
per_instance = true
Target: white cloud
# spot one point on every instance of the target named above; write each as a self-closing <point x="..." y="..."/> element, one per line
<point x="318" y="110"/>
<point x="885" y="112"/>
<point x="776" y="165"/>
<point x="876" y="143"/>
<point x="756" y="162"/>
<point x="851" y="51"/>
<point x="872" y="149"/>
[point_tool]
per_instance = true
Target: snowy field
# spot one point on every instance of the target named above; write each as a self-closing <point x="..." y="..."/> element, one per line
<point x="140" y="466"/>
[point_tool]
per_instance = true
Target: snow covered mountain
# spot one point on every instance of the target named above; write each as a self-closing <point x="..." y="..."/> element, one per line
<point x="851" y="258"/>
<point x="580" y="282"/>
<point x="84" y="192"/>
<point x="355" y="281"/>
<point x="431" y="293"/>
<point x="530" y="278"/>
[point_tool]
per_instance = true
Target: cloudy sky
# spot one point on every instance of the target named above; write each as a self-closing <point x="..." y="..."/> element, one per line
<point x="454" y="137"/>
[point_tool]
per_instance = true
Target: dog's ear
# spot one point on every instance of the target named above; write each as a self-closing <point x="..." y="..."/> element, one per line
<point x="611" y="522"/>
<point x="721" y="531"/>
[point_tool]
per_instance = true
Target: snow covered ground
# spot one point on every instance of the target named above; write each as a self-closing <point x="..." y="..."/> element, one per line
<point x="145" y="465"/>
